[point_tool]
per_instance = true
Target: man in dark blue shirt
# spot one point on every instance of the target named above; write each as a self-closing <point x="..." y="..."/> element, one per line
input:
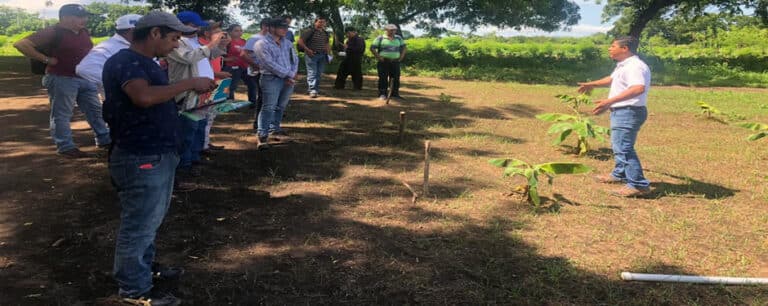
<point x="141" y="113"/>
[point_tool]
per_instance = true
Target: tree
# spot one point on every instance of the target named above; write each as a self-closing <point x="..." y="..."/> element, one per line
<point x="105" y="15"/>
<point x="208" y="9"/>
<point x="15" y="20"/>
<point x="546" y="15"/>
<point x="635" y="15"/>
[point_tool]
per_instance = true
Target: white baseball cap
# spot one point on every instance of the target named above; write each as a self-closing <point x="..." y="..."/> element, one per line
<point x="127" y="21"/>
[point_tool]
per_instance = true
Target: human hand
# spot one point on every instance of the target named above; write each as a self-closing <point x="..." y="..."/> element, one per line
<point x="216" y="39"/>
<point x="222" y="75"/>
<point x="52" y="61"/>
<point x="310" y="53"/>
<point x="203" y="84"/>
<point x="601" y="106"/>
<point x="290" y="82"/>
<point x="585" y="88"/>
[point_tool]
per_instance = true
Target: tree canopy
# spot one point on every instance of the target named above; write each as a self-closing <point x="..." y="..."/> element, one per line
<point x="103" y="22"/>
<point x="15" y="20"/>
<point x="635" y="15"/>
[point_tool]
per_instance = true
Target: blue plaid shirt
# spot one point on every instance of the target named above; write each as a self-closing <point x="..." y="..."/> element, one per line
<point x="279" y="60"/>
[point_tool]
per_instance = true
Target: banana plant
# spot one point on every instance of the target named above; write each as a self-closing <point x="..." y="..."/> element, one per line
<point x="532" y="174"/>
<point x="760" y="128"/>
<point x="713" y="113"/>
<point x="565" y="125"/>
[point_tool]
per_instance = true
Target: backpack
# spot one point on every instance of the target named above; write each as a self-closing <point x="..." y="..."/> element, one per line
<point x="38" y="67"/>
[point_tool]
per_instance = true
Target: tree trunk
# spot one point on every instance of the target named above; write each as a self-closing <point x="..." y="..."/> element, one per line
<point x="337" y="24"/>
<point x="647" y="14"/>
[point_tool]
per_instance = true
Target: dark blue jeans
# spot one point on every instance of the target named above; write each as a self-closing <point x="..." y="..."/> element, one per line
<point x="192" y="136"/>
<point x="144" y="185"/>
<point x="250" y="82"/>
<point x="625" y="124"/>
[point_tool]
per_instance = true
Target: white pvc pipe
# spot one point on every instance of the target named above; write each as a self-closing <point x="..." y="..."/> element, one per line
<point x="628" y="276"/>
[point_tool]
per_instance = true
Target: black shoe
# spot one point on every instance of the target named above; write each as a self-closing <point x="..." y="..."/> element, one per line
<point x="74" y="154"/>
<point x="166" y="273"/>
<point x="153" y="298"/>
<point x="263" y="143"/>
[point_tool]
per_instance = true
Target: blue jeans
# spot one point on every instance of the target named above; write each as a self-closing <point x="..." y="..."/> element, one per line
<point x="625" y="124"/>
<point x="277" y="94"/>
<point x="144" y="185"/>
<point x="63" y="93"/>
<point x="315" y="68"/>
<point x="192" y="136"/>
<point x="238" y="74"/>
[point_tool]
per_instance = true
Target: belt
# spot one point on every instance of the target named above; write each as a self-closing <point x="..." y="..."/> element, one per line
<point x="628" y="106"/>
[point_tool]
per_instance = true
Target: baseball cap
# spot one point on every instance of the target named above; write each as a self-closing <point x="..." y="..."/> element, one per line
<point x="73" y="9"/>
<point x="126" y="22"/>
<point x="160" y="18"/>
<point x="191" y="17"/>
<point x="278" y="23"/>
<point x="390" y="27"/>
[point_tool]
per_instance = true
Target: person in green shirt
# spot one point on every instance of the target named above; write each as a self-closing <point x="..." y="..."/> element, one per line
<point x="389" y="50"/>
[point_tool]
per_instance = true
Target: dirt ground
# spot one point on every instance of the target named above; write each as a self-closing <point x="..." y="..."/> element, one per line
<point x="325" y="218"/>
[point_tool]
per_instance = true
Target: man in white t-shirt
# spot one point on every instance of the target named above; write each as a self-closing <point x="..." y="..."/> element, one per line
<point x="629" y="82"/>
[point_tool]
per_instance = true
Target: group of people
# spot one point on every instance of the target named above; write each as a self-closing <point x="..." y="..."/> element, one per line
<point x="157" y="68"/>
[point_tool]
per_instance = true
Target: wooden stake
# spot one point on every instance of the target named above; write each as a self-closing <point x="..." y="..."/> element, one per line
<point x="402" y="127"/>
<point x="415" y="196"/>
<point x="427" y="147"/>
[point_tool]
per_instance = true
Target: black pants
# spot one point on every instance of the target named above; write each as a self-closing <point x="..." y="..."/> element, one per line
<point x="387" y="69"/>
<point x="352" y="64"/>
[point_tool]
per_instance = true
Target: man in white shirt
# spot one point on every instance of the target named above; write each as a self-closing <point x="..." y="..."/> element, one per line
<point x="629" y="82"/>
<point x="91" y="66"/>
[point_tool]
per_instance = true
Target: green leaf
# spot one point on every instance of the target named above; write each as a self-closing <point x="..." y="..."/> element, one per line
<point x="757" y="136"/>
<point x="560" y="138"/>
<point x="564" y="168"/>
<point x="500" y="162"/>
<point x="512" y="171"/>
<point x="754" y="126"/>
<point x="555" y="117"/>
<point x="581" y="129"/>
<point x="560" y="127"/>
<point x="529" y="174"/>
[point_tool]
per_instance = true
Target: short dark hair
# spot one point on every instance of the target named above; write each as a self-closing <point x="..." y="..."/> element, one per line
<point x="319" y="17"/>
<point x="143" y="33"/>
<point x="350" y="29"/>
<point x="287" y="17"/>
<point x="628" y="41"/>
<point x="232" y="27"/>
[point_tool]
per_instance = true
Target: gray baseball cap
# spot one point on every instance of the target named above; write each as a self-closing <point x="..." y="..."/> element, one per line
<point x="160" y="18"/>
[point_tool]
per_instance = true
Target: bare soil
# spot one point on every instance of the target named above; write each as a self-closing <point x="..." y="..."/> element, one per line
<point x="325" y="219"/>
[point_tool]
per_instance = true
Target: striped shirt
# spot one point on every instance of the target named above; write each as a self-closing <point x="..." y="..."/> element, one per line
<point x="278" y="60"/>
<point x="319" y="40"/>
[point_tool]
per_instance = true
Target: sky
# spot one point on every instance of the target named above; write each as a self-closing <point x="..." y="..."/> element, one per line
<point x="590" y="18"/>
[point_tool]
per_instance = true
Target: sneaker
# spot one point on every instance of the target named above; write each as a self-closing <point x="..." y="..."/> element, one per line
<point x="607" y="179"/>
<point x="153" y="298"/>
<point x="166" y="273"/>
<point x="313" y="94"/>
<point x="263" y="143"/>
<point x="383" y="98"/>
<point x="74" y="154"/>
<point x="631" y="192"/>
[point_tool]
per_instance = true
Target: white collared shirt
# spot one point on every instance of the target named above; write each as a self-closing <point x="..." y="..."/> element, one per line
<point x="630" y="72"/>
<point x="92" y="65"/>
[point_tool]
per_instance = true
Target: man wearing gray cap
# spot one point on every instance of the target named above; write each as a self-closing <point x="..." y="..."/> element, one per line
<point x="91" y="66"/>
<point x="142" y="116"/>
<point x="63" y="45"/>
